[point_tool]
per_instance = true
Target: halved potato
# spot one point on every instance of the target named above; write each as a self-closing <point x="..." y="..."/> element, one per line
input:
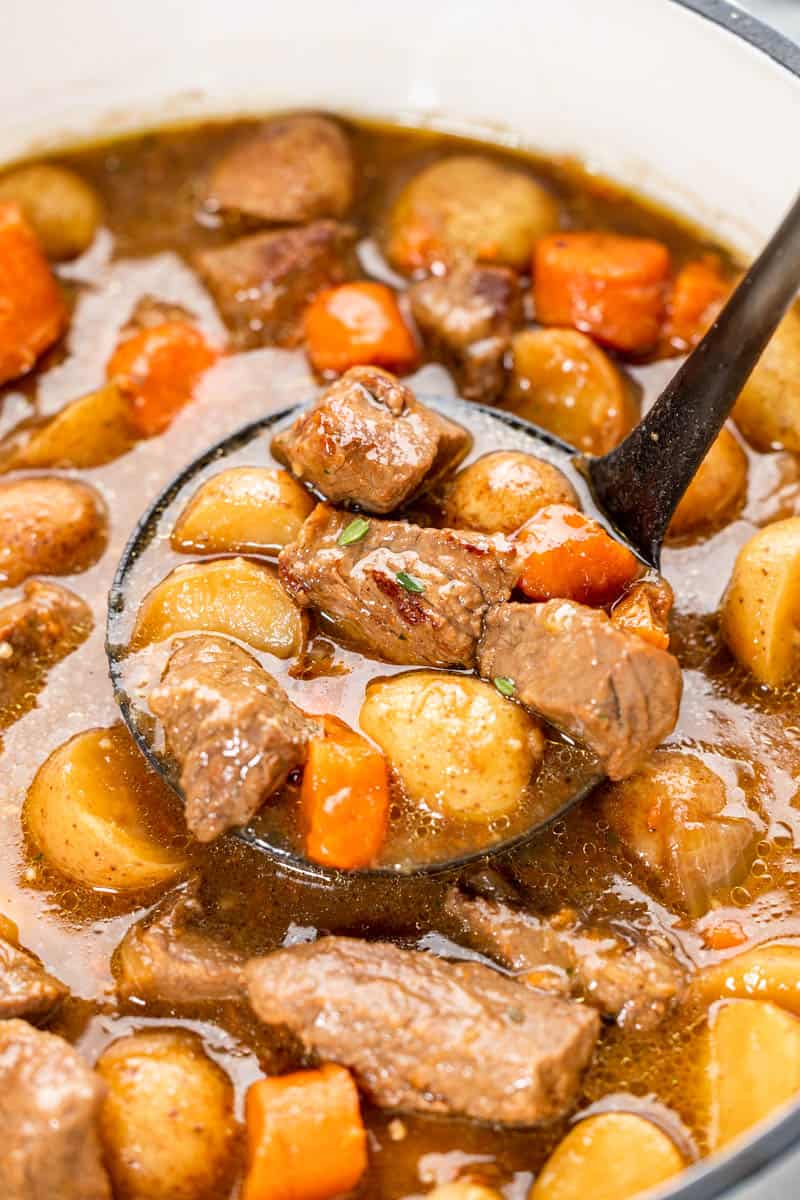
<point x="457" y="745"/>
<point x="463" y="1189"/>
<point x="62" y="208"/>
<point x="231" y="596"/>
<point x="769" y="972"/>
<point x="500" y="492"/>
<point x="244" y="509"/>
<point x="753" y="1066"/>
<point x="100" y="815"/>
<point x="565" y="383"/>
<point x="613" y="1156"/>
<point x="88" y="432"/>
<point x="767" y="412"/>
<point x="715" y="491"/>
<point x="49" y="526"/>
<point x="761" y="608"/>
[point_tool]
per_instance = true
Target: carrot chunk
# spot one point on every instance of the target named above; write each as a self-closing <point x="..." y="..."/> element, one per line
<point x="569" y="556"/>
<point x="358" y="324"/>
<point x="608" y="286"/>
<point x="344" y="798"/>
<point x="306" y="1139"/>
<point x="697" y="295"/>
<point x="33" y="314"/>
<point x="636" y="612"/>
<point x="158" y="369"/>
<point x="725" y="935"/>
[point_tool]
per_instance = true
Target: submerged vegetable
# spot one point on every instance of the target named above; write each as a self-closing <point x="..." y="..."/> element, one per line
<point x="88" y="432"/>
<point x="568" y="556"/>
<point x="63" y="210"/>
<point x="258" y="509"/>
<point x="157" y="371"/>
<point x="357" y="324"/>
<point x="718" y="487"/>
<point x="770" y="972"/>
<point x="32" y="311"/>
<point x="767" y="413"/>
<point x="49" y="526"/>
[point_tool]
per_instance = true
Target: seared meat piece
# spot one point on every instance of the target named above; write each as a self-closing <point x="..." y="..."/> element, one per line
<point x="49" y="1105"/>
<point x="293" y="168"/>
<point x="263" y="283"/>
<point x="468" y="317"/>
<point x="35" y="633"/>
<point x="26" y="989"/>
<point x="424" y="1035"/>
<point x="368" y="441"/>
<point x="164" y="959"/>
<point x="634" y="980"/>
<point x="401" y="593"/>
<point x="606" y="687"/>
<point x="231" y="727"/>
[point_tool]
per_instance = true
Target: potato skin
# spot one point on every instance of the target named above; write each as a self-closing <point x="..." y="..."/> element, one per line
<point x="563" y="382"/>
<point x="463" y="1189"/>
<point x="716" y="490"/>
<point x="457" y="745"/>
<point x="62" y="208"/>
<point x="167" y="1121"/>
<point x="258" y="509"/>
<point x="767" y="413"/>
<point x="49" y="526"/>
<point x="468" y="207"/>
<point x="761" y="608"/>
<point x="501" y="491"/>
<point x="93" y="810"/>
<point x="88" y="432"/>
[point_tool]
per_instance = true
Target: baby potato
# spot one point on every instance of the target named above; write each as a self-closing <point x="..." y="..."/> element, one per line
<point x="463" y="1189"/>
<point x="613" y="1156"/>
<point x="101" y="816"/>
<point x="715" y="491"/>
<point x="469" y="207"/>
<point x="49" y="526"/>
<point x="500" y="492"/>
<point x="761" y="608"/>
<point x="563" y="382"/>
<point x="62" y="208"/>
<point x="456" y="744"/>
<point x="88" y="432"/>
<point x="232" y="596"/>
<point x="763" y="973"/>
<point x="244" y="509"/>
<point x="752" y="1066"/>
<point x="167" y="1121"/>
<point x="767" y="413"/>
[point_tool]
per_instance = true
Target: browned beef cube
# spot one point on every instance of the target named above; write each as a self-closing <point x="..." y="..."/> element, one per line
<point x="26" y="989"/>
<point x="232" y="729"/>
<point x="293" y="168"/>
<point x="604" y="686"/>
<point x="49" y="1106"/>
<point x="368" y="441"/>
<point x="468" y="316"/>
<point x="424" y="1035"/>
<point x="400" y="593"/>
<point x="165" y="959"/>
<point x="263" y="283"/>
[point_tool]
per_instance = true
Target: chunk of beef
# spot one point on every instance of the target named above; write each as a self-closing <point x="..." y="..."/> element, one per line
<point x="635" y="980"/>
<point x="263" y="283"/>
<point x="368" y="441"/>
<point x="26" y="989"/>
<point x="232" y="729"/>
<point x="36" y="633"/>
<point x="401" y="593"/>
<point x="468" y="316"/>
<point x="606" y="687"/>
<point x="293" y="168"/>
<point x="164" y="959"/>
<point x="49" y="1105"/>
<point x="424" y="1035"/>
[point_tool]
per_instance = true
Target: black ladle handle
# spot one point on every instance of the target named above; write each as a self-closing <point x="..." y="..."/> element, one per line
<point x="639" y="484"/>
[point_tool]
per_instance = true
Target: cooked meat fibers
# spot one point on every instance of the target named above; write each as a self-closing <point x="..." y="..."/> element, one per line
<point x="49" y="1105"/>
<point x="368" y="441"/>
<point x="424" y="1035"/>
<point x="26" y="989"/>
<point x="232" y="729"/>
<point x="635" y="980"/>
<point x="604" y="686"/>
<point x="401" y="593"/>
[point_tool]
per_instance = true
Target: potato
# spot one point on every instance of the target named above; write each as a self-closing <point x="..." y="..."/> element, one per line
<point x="752" y="1066"/>
<point x="613" y="1156"/>
<point x="167" y="1121"/>
<point x="88" y="432"/>
<point x="716" y="490"/>
<point x="763" y="973"/>
<point x="246" y="508"/>
<point x="500" y="492"/>
<point x="565" y="383"/>
<point x="231" y="596"/>
<point x="469" y="207"/>
<point x="767" y="412"/>
<point x="761" y="607"/>
<point x="463" y="1189"/>
<point x="49" y="526"/>
<point x="63" y="209"/>
<point x="100" y="815"/>
<point x="456" y="744"/>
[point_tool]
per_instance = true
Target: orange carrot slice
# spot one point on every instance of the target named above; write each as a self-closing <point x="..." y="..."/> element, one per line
<point x="358" y="324"/>
<point x="33" y="314"/>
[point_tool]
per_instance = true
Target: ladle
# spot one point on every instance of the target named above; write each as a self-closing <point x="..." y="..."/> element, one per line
<point x="634" y="490"/>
